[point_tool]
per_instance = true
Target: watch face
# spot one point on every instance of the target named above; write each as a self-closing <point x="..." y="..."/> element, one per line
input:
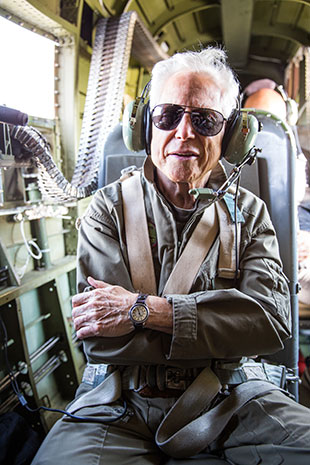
<point x="139" y="313"/>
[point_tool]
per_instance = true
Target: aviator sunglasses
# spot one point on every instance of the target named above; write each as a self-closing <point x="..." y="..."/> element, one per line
<point x="207" y="122"/>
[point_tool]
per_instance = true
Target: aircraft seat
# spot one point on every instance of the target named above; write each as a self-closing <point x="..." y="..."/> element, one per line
<point x="116" y="157"/>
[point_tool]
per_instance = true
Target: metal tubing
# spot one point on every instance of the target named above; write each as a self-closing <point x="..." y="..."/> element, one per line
<point x="38" y="228"/>
<point x="47" y="368"/>
<point x="44" y="348"/>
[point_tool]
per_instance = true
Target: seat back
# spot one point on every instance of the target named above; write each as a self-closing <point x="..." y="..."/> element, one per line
<point x="116" y="157"/>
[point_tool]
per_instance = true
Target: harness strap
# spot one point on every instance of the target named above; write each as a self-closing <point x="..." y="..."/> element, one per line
<point x="137" y="237"/>
<point x="98" y="395"/>
<point x="215" y="218"/>
<point x="182" y="276"/>
<point x="181" y="434"/>
<point x="227" y="255"/>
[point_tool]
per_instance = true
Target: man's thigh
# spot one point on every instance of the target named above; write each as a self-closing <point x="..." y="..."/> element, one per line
<point x="125" y="442"/>
<point x="201" y="459"/>
<point x="271" y="430"/>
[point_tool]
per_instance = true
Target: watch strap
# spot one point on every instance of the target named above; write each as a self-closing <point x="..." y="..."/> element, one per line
<point x="141" y="299"/>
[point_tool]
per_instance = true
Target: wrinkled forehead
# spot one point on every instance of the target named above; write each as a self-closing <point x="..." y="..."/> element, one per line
<point x="192" y="89"/>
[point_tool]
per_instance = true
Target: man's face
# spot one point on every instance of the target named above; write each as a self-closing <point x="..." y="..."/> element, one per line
<point x="182" y="154"/>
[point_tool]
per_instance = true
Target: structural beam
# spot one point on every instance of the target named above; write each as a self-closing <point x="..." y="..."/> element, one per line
<point x="236" y="16"/>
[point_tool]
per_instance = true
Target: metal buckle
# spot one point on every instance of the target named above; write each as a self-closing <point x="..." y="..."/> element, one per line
<point x="94" y="374"/>
<point x="176" y="378"/>
<point x="254" y="371"/>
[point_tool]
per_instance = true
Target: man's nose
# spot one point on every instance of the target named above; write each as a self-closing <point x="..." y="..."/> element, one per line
<point x="185" y="129"/>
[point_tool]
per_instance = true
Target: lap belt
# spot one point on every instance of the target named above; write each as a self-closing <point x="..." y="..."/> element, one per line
<point x="179" y="379"/>
<point x="182" y="434"/>
<point x="184" y="431"/>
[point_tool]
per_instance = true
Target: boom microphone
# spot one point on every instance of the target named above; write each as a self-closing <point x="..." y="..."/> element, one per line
<point x="11" y="116"/>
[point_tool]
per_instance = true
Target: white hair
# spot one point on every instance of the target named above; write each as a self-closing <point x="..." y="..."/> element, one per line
<point x="211" y="61"/>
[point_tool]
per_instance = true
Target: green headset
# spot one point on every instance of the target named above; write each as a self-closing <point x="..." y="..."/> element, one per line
<point x="239" y="137"/>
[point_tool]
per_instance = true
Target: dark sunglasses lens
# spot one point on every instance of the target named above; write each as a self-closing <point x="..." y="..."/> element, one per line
<point x="207" y="122"/>
<point x="167" y="117"/>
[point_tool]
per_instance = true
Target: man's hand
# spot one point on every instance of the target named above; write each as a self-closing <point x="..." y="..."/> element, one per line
<point x="102" y="311"/>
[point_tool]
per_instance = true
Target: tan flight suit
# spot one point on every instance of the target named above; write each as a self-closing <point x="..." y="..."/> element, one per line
<point x="216" y="320"/>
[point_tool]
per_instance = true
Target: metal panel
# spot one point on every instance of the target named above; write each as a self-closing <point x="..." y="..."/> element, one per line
<point x="236" y="26"/>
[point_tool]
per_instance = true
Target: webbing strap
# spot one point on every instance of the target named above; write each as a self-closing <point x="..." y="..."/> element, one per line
<point x="105" y="393"/>
<point x="198" y="396"/>
<point x="227" y="255"/>
<point x="181" y="279"/>
<point x="182" y="434"/>
<point x="137" y="237"/>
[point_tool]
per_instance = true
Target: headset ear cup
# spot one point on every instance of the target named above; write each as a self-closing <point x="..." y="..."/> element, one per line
<point x="133" y="125"/>
<point x="230" y="127"/>
<point x="239" y="137"/>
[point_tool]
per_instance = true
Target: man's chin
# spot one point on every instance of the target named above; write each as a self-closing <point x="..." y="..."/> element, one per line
<point x="178" y="178"/>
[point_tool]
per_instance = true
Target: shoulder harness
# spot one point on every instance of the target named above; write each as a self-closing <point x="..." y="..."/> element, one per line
<point x="216" y="219"/>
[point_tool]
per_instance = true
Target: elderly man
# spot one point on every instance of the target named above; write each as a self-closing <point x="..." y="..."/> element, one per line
<point x="163" y="383"/>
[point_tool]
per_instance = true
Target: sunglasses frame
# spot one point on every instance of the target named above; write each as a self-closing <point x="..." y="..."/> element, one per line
<point x="184" y="107"/>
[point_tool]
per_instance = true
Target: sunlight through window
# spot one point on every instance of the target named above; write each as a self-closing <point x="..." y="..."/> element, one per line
<point x="27" y="70"/>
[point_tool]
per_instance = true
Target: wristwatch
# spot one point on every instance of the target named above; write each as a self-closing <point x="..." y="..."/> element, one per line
<point x="139" y="312"/>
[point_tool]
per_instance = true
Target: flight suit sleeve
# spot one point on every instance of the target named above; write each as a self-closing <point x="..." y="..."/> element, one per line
<point x="102" y="255"/>
<point x="101" y="247"/>
<point x="251" y="319"/>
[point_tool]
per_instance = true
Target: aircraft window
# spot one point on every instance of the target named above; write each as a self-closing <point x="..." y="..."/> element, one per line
<point x="27" y="70"/>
